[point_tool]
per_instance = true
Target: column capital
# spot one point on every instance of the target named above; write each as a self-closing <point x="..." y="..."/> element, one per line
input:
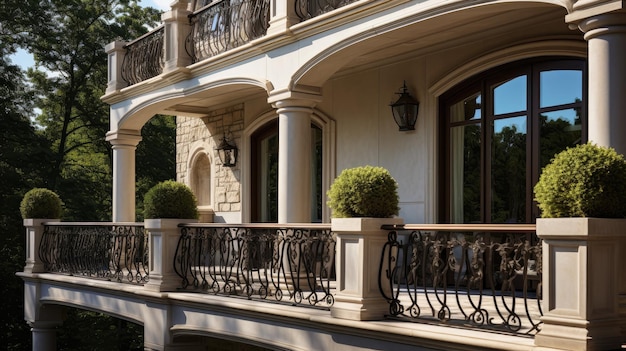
<point x="610" y="23"/>
<point x="124" y="137"/>
<point x="291" y="98"/>
<point x="587" y="9"/>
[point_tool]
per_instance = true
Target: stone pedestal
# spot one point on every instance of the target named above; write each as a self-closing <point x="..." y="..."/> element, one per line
<point x="359" y="247"/>
<point x="163" y="236"/>
<point x="34" y="233"/>
<point x="583" y="283"/>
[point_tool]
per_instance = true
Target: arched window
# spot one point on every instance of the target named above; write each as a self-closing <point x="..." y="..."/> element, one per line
<point x="500" y="129"/>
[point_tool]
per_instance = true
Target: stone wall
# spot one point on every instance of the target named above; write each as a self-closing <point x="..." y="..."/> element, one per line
<point x="203" y="134"/>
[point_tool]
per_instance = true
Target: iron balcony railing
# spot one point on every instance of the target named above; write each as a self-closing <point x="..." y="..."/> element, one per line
<point x="292" y="264"/>
<point x="307" y="9"/>
<point x="144" y="57"/>
<point x="224" y="25"/>
<point x="116" y="252"/>
<point x="485" y="276"/>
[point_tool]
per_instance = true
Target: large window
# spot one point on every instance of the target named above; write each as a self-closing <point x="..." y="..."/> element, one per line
<point x="500" y="130"/>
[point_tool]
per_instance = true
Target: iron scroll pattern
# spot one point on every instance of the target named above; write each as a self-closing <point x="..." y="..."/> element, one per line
<point x="484" y="280"/>
<point x="224" y="25"/>
<point x="307" y="9"/>
<point x="288" y="265"/>
<point x="144" y="57"/>
<point x="112" y="252"/>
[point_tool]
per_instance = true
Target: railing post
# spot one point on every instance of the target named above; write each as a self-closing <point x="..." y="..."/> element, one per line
<point x="583" y="261"/>
<point x="34" y="233"/>
<point x="163" y="235"/>
<point x="176" y="30"/>
<point x="115" y="52"/>
<point x="282" y="16"/>
<point x="360" y="244"/>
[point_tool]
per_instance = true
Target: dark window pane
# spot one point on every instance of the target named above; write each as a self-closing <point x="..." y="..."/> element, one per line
<point x="508" y="170"/>
<point x="559" y="130"/>
<point x="466" y="109"/>
<point x="465" y="177"/>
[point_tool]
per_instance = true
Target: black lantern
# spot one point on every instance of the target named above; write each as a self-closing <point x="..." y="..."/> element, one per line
<point x="405" y="110"/>
<point x="227" y="153"/>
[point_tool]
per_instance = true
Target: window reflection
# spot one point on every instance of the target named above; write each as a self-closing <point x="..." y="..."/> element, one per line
<point x="560" y="87"/>
<point x="508" y="170"/>
<point x="510" y="96"/>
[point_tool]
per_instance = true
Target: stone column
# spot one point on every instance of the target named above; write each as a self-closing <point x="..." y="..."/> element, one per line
<point x="606" y="37"/>
<point x="294" y="159"/>
<point x="124" y="145"/>
<point x="43" y="319"/>
<point x="282" y="16"/>
<point x="177" y="29"/>
<point x="115" y="52"/>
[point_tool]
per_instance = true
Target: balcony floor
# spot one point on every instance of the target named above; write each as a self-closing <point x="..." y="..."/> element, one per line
<point x="268" y="324"/>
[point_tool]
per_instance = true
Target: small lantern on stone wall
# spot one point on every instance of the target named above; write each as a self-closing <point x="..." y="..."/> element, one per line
<point x="227" y="153"/>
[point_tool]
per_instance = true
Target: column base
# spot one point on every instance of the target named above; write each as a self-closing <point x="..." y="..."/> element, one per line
<point x="579" y="335"/>
<point x="359" y="309"/>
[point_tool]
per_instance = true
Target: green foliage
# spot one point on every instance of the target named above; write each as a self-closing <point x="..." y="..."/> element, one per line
<point x="170" y="199"/>
<point x="583" y="181"/>
<point x="41" y="203"/>
<point x="155" y="157"/>
<point x="364" y="192"/>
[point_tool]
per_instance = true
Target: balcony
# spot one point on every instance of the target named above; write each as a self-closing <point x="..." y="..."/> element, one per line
<point x="484" y="279"/>
<point x="189" y="37"/>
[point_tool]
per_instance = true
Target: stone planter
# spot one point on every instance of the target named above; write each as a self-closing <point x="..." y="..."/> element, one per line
<point x="163" y="235"/>
<point x="34" y="233"/>
<point x="583" y="283"/>
<point x="359" y="247"/>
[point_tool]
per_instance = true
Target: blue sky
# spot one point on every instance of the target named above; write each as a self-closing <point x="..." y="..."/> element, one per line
<point x="25" y="60"/>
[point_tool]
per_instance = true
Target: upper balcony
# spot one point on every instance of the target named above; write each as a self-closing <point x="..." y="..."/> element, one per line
<point x="200" y="30"/>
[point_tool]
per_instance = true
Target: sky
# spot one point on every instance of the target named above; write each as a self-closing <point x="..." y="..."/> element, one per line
<point x="25" y="60"/>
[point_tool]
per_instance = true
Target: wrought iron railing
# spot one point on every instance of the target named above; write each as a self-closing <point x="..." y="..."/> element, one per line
<point x="224" y="25"/>
<point x="117" y="252"/>
<point x="486" y="276"/>
<point x="290" y="264"/>
<point x="306" y="9"/>
<point x="144" y="57"/>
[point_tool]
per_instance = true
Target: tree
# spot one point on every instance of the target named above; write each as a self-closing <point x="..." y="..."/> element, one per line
<point x="70" y="77"/>
<point x="19" y="141"/>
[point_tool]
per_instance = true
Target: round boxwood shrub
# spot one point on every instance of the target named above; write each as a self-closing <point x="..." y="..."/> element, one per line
<point x="170" y="199"/>
<point x="583" y="181"/>
<point x="364" y="192"/>
<point x="41" y="203"/>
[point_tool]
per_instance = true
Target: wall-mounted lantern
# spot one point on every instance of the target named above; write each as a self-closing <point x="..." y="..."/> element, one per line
<point x="405" y="110"/>
<point x="227" y="153"/>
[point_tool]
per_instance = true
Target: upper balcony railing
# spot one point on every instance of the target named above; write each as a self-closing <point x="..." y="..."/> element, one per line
<point x="218" y="27"/>
<point x="144" y="57"/>
<point x="224" y="25"/>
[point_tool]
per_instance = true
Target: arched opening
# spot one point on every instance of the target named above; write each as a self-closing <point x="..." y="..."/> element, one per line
<point x="499" y="129"/>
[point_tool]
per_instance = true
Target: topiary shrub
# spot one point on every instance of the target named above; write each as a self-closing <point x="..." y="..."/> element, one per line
<point x="583" y="181"/>
<point x="170" y="199"/>
<point x="41" y="203"/>
<point x="364" y="192"/>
